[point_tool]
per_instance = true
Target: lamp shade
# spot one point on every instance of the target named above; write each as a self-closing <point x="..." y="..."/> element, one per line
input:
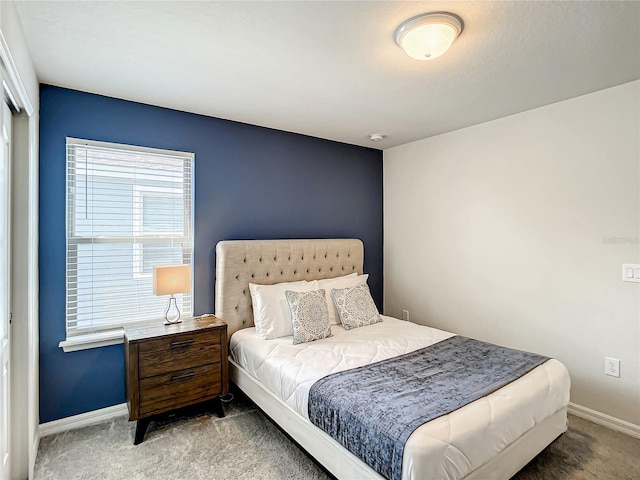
<point x="171" y="279"/>
<point x="428" y="36"/>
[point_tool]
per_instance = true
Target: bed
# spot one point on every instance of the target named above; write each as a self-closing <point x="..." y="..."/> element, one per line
<point x="492" y="437"/>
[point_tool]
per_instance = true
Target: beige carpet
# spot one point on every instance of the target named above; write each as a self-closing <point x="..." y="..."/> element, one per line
<point x="246" y="445"/>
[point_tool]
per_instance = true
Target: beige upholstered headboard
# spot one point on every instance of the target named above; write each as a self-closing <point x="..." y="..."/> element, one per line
<point x="240" y="262"/>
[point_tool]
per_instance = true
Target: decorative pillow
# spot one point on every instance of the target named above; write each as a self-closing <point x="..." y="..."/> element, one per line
<point x="355" y="306"/>
<point x="351" y="280"/>
<point x="271" y="314"/>
<point x="309" y="315"/>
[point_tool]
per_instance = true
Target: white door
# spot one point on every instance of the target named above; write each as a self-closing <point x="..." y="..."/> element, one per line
<point x="5" y="249"/>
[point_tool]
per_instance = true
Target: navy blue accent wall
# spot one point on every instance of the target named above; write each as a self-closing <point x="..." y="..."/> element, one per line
<point x="250" y="182"/>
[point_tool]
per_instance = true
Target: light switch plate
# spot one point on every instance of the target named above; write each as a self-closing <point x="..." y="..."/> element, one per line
<point x="631" y="273"/>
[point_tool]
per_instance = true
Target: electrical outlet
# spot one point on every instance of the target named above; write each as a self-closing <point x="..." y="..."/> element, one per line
<point x="405" y="315"/>
<point x="612" y="366"/>
<point x="631" y="273"/>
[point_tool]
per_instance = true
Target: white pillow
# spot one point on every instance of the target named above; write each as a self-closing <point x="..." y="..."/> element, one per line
<point x="271" y="313"/>
<point x="348" y="281"/>
<point x="309" y="315"/>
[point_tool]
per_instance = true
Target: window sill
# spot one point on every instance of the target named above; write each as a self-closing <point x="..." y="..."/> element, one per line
<point x="92" y="340"/>
<point x="104" y="338"/>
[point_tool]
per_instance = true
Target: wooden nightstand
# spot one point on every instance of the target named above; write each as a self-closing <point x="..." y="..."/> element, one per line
<point x="173" y="366"/>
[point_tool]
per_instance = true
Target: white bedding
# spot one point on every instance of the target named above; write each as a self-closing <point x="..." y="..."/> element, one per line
<point x="449" y="447"/>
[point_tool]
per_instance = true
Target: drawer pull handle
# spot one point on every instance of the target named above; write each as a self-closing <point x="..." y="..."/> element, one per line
<point x="181" y="377"/>
<point x="182" y="343"/>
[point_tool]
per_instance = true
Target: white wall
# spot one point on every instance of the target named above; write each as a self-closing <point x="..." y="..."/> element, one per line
<point x="13" y="34"/>
<point x="515" y="231"/>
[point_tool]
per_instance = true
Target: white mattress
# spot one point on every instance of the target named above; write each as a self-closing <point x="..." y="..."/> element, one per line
<point x="449" y="447"/>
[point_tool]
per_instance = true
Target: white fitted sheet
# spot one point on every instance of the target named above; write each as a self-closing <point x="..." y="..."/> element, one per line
<point x="449" y="447"/>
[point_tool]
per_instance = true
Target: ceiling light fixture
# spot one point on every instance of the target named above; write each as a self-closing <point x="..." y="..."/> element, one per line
<point x="428" y="36"/>
<point x="376" y="137"/>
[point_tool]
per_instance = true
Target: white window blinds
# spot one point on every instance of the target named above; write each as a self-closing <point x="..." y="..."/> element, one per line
<point x="128" y="210"/>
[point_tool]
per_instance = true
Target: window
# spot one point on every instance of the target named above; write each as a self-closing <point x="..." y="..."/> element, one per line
<point x="156" y="211"/>
<point x="128" y="209"/>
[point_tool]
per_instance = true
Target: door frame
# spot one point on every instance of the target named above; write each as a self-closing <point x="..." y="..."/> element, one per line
<point x="24" y="415"/>
<point x="5" y="274"/>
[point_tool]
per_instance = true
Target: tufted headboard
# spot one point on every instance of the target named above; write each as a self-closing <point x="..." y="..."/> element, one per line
<point x="240" y="262"/>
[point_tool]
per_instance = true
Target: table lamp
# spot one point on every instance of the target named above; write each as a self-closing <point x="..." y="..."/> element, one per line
<point x="170" y="280"/>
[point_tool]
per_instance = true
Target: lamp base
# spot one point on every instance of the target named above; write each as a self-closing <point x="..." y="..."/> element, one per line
<point x="171" y="322"/>
<point x="176" y="318"/>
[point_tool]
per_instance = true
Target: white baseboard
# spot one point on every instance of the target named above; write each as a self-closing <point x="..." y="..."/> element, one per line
<point x="83" y="420"/>
<point x="34" y="453"/>
<point x="605" y="420"/>
<point x="97" y="416"/>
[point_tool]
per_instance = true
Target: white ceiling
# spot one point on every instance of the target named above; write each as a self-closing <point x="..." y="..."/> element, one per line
<point x="331" y="69"/>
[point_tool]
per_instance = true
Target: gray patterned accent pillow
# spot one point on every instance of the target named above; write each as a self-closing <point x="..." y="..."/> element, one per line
<point x="355" y="306"/>
<point x="309" y="315"/>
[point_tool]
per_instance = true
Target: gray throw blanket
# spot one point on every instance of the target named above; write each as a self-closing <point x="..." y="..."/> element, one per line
<point x="372" y="410"/>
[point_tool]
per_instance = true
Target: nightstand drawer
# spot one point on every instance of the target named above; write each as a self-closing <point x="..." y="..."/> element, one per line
<point x="179" y="351"/>
<point x="190" y="339"/>
<point x="182" y="387"/>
